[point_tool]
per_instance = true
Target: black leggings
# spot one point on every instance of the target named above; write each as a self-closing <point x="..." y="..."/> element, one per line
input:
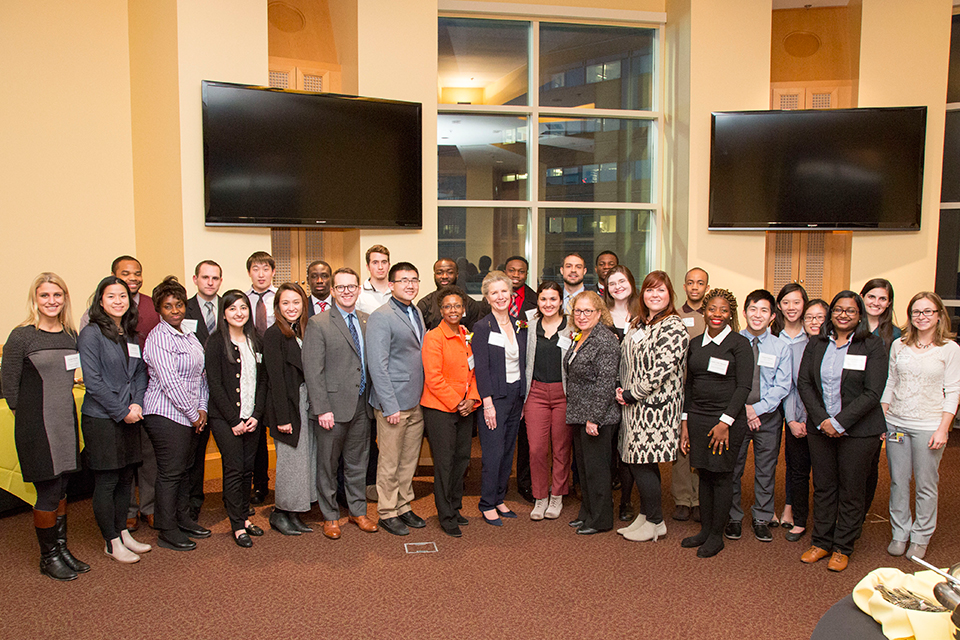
<point x="50" y="493"/>
<point x="111" y="499"/>
<point x="716" y="496"/>
<point x="647" y="477"/>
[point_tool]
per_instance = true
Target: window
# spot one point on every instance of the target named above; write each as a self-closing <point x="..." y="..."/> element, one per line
<point x="548" y="138"/>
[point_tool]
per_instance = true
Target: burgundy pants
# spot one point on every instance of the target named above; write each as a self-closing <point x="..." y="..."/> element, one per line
<point x="545" y="413"/>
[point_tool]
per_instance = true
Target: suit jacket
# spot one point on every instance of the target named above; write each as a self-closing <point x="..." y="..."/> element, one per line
<point x="860" y="414"/>
<point x="332" y="367"/>
<point x="113" y="379"/>
<point x="491" y="361"/>
<point x="147" y="318"/>
<point x="448" y="378"/>
<point x="195" y="313"/>
<point x="310" y="311"/>
<point x="592" y="379"/>
<point x="394" y="359"/>
<point x="529" y="301"/>
<point x="281" y="360"/>
<point x="223" y="368"/>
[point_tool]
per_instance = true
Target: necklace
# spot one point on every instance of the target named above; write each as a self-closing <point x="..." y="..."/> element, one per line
<point x="923" y="346"/>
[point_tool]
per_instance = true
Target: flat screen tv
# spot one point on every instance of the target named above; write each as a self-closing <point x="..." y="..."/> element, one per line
<point x="819" y="169"/>
<point x="275" y="158"/>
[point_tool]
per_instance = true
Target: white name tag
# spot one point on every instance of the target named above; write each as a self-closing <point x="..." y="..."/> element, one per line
<point x="133" y="349"/>
<point x="639" y="335"/>
<point x="688" y="322"/>
<point x="854" y="362"/>
<point x="72" y="361"/>
<point x="496" y="340"/>
<point x="530" y="314"/>
<point x="189" y="325"/>
<point x="718" y="366"/>
<point x="470" y="362"/>
<point x="259" y="358"/>
<point x="564" y="342"/>
<point x="767" y="360"/>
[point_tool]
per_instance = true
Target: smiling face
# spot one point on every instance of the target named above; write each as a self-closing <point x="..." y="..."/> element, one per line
<point x="172" y="310"/>
<point x="717" y="315"/>
<point x="498" y="295"/>
<point x="130" y="272"/>
<point x="50" y="300"/>
<point x="573" y="271"/>
<point x="758" y="314"/>
<point x="585" y="315"/>
<point x="318" y="277"/>
<point x="291" y="305"/>
<point x="791" y="306"/>
<point x="405" y="286"/>
<point x="549" y="303"/>
<point x="619" y="287"/>
<point x="208" y="280"/>
<point x="516" y="270"/>
<point x="261" y="276"/>
<point x="444" y="273"/>
<point x="813" y="319"/>
<point x="924" y="315"/>
<point x="605" y="262"/>
<point x="237" y="314"/>
<point x="451" y="308"/>
<point x="846" y="315"/>
<point x="115" y="301"/>
<point x="346" y="290"/>
<point x="656" y="298"/>
<point x="876" y="301"/>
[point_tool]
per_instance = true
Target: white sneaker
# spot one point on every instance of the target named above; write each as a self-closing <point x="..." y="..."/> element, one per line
<point x="638" y="522"/>
<point x="554" y="508"/>
<point x="539" y="508"/>
<point x="120" y="553"/>
<point x="133" y="545"/>
<point x="648" y="531"/>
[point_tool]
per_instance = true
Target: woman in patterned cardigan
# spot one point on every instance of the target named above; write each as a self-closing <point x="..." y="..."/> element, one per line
<point x="653" y="355"/>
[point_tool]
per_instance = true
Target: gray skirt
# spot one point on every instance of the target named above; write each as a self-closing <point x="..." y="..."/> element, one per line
<point x="296" y="481"/>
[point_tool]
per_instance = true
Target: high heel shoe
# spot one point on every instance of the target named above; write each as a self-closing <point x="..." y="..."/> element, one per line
<point x="496" y="522"/>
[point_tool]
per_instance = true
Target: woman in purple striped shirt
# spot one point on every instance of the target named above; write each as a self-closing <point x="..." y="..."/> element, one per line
<point x="175" y="412"/>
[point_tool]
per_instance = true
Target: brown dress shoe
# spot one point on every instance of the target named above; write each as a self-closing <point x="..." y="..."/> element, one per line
<point x="813" y="554"/>
<point x="133" y="524"/>
<point x="838" y="562"/>
<point x="331" y="529"/>
<point x="148" y="518"/>
<point x="365" y="523"/>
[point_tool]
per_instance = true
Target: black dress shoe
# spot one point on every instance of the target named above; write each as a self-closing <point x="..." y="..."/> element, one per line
<point x="259" y="496"/>
<point x="587" y="531"/>
<point x="527" y="494"/>
<point x="412" y="520"/>
<point x="733" y="530"/>
<point x="243" y="540"/>
<point x="762" y="531"/>
<point x="681" y="513"/>
<point x="462" y="521"/>
<point x="626" y="513"/>
<point x="298" y="524"/>
<point x="394" y="526"/>
<point x="254" y="530"/>
<point x="280" y="521"/>
<point x="695" y="513"/>
<point x="453" y="532"/>
<point x="175" y="540"/>
<point x="194" y="530"/>
<point x="576" y="524"/>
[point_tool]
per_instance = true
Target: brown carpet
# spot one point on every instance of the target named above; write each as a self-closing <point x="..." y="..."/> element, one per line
<point x="526" y="579"/>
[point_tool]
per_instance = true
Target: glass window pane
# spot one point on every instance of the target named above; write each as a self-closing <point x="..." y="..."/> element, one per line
<point x="480" y="239"/>
<point x="628" y="233"/>
<point x="481" y="157"/>
<point x="600" y="67"/>
<point x="597" y="160"/>
<point x="950" y="186"/>
<point x="483" y="61"/>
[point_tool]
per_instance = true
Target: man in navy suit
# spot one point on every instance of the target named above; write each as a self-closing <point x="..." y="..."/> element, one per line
<point x="318" y="278"/>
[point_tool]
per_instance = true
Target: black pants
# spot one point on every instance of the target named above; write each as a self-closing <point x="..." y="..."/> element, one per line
<point x="261" y="464"/>
<point x="840" y="469"/>
<point x="797" y="453"/>
<point x="196" y="471"/>
<point x="524" y="481"/>
<point x="50" y="493"/>
<point x="175" y="445"/>
<point x="237" y="454"/>
<point x="111" y="499"/>
<point x="450" y="438"/>
<point x="872" y="479"/>
<point x="647" y="477"/>
<point x="592" y="454"/>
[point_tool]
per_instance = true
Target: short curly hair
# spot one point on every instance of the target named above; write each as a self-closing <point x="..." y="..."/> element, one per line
<point x="731" y="300"/>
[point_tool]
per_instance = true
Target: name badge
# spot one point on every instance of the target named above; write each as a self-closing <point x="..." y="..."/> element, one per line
<point x="718" y="366"/>
<point x="496" y="340"/>
<point x="470" y="362"/>
<point x="639" y="335"/>
<point x="688" y="322"/>
<point x="72" y="361"/>
<point x="530" y="314"/>
<point x="259" y="358"/>
<point x="895" y="436"/>
<point x="133" y="349"/>
<point x="854" y="362"/>
<point x="564" y="342"/>
<point x="767" y="360"/>
<point x="189" y="325"/>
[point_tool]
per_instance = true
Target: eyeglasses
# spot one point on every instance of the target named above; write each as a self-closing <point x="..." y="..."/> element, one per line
<point x="406" y="281"/>
<point x="452" y="307"/>
<point x="585" y="313"/>
<point x="838" y="311"/>
<point x="350" y="288"/>
<point x="819" y="318"/>
<point x="926" y="313"/>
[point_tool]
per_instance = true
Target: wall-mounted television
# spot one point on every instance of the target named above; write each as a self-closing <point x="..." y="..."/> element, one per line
<point x="276" y="158"/>
<point x="818" y="169"/>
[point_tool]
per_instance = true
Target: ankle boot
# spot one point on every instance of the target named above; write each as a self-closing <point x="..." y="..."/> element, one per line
<point x="73" y="563"/>
<point x="51" y="562"/>
<point x="115" y="549"/>
<point x="133" y="545"/>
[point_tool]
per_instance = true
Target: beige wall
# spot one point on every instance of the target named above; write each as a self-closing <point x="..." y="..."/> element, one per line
<point x="66" y="174"/>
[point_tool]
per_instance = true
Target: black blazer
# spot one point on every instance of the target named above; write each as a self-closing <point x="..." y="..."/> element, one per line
<point x="311" y="313"/>
<point x="529" y="301"/>
<point x="194" y="313"/>
<point x="281" y="359"/>
<point x="861" y="414"/>
<point x="223" y="380"/>
<point x="491" y="362"/>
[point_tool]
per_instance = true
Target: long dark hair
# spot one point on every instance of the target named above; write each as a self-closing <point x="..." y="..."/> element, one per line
<point x="862" y="330"/>
<point x="228" y="300"/>
<point x="634" y="305"/>
<point x="99" y="317"/>
<point x="296" y="329"/>
<point x="779" y="322"/>
<point x="885" y="321"/>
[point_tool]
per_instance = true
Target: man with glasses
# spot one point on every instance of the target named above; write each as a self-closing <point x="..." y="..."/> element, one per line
<point x="335" y="371"/>
<point x="395" y="337"/>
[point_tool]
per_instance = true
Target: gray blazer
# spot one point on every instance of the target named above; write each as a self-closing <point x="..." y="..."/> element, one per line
<point x="332" y="368"/>
<point x="113" y="379"/>
<point x="532" y="325"/>
<point x="394" y="359"/>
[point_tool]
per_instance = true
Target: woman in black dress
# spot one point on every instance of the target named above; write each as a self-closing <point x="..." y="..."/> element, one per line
<point x="39" y="361"/>
<point x="714" y="423"/>
<point x="116" y="379"/>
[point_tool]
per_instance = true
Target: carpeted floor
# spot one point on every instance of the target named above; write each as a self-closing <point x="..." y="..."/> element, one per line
<point x="526" y="579"/>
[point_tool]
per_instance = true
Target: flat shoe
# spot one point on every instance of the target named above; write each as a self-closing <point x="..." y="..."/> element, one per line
<point x="462" y="521"/>
<point x="453" y="532"/>
<point x="243" y="540"/>
<point x="587" y="531"/>
<point x="576" y="524"/>
<point x="786" y="525"/>
<point x="793" y="537"/>
<point x="897" y="548"/>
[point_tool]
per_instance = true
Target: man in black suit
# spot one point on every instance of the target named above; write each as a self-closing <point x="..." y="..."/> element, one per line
<point x="445" y="272"/>
<point x="318" y="277"/>
<point x="203" y="310"/>
<point x="522" y="300"/>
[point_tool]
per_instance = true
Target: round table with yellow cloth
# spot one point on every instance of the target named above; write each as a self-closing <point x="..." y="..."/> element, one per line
<point x="895" y="621"/>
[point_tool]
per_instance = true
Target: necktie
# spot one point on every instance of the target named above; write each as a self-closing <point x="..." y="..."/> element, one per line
<point x="415" y="320"/>
<point x="351" y="319"/>
<point x="514" y="308"/>
<point x="260" y="316"/>
<point x="754" y="396"/>
<point x="323" y="306"/>
<point x="208" y="317"/>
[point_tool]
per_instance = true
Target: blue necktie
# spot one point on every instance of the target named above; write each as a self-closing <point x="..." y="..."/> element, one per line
<point x="356" y="342"/>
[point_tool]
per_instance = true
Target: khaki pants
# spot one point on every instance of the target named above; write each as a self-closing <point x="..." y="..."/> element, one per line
<point x="399" y="446"/>
<point x="684" y="483"/>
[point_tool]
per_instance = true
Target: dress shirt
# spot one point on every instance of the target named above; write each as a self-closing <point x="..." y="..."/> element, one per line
<point x="352" y="321"/>
<point x="370" y="299"/>
<point x="831" y="372"/>
<point x="724" y="418"/>
<point x="209" y="310"/>
<point x="177" y="387"/>
<point x="412" y="315"/>
<point x="253" y="296"/>
<point x="568" y="298"/>
<point x="793" y="409"/>
<point x="775" y="381"/>
<point x="315" y="301"/>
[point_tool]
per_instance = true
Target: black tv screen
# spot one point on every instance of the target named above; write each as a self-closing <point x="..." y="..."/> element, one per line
<point x="275" y="158"/>
<point x="818" y="169"/>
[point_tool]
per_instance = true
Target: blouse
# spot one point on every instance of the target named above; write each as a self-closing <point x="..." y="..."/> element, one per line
<point x="177" y="387"/>
<point x="922" y="385"/>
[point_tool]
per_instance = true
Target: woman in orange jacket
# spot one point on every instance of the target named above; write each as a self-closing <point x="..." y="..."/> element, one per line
<point x="449" y="398"/>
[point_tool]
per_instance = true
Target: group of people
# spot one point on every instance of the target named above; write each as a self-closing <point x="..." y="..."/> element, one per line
<point x="589" y="387"/>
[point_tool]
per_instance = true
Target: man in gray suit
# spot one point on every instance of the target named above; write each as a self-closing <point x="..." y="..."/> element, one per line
<point x="395" y="335"/>
<point x="334" y="367"/>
